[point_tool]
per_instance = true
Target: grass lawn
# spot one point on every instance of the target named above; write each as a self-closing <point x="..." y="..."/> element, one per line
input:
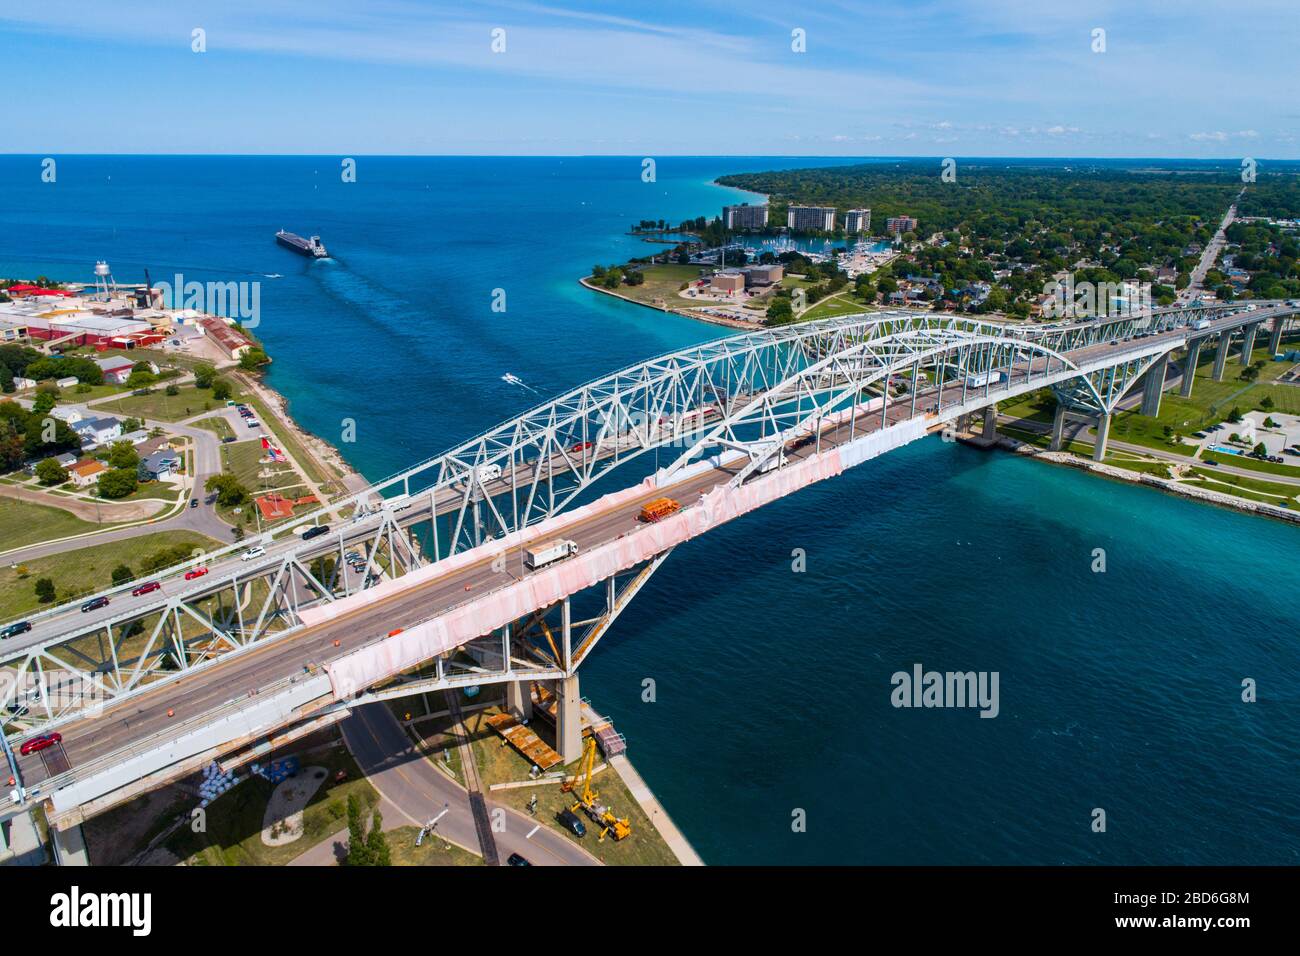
<point x="218" y="425"/>
<point x="294" y="447"/>
<point x="843" y="304"/>
<point x="23" y="523"/>
<point x="662" y="283"/>
<point x="234" y="832"/>
<point x="498" y="764"/>
<point x="1254" y="464"/>
<point x="1038" y="406"/>
<point x="160" y="406"/>
<point x="435" y="851"/>
<point x="1236" y="485"/>
<point x="85" y="570"/>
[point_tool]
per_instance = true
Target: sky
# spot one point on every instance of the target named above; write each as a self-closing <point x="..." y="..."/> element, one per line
<point x="1193" y="78"/>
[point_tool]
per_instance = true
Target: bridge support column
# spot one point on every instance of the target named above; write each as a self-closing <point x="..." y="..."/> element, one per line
<point x="568" y="719"/>
<point x="990" y="427"/>
<point x="1189" y="368"/>
<point x="1221" y="355"/>
<point x="1248" y="346"/>
<point x="1154" y="386"/>
<point x="69" y="847"/>
<point x="1058" y="428"/>
<point x="519" y="699"/>
<point x="1275" y="336"/>
<point x="1103" y="436"/>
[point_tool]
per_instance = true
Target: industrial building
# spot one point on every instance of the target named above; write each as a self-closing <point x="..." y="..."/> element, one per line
<point x="811" y="218"/>
<point x="763" y="275"/>
<point x="727" y="282"/>
<point x="229" y="339"/>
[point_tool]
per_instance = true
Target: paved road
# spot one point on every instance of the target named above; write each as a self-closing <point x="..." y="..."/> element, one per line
<point x="1209" y="256"/>
<point x="416" y="791"/>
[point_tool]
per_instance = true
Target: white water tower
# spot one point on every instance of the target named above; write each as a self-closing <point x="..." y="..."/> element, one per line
<point x="104" y="284"/>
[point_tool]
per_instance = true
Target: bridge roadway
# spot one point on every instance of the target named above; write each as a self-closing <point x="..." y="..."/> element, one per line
<point x="241" y="675"/>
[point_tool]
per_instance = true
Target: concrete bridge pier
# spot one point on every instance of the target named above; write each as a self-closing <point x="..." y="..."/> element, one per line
<point x="1058" y="428"/>
<point x="1103" y="436"/>
<point x="69" y="846"/>
<point x="1221" y="354"/>
<point x="990" y="427"/>
<point x="519" y="699"/>
<point x="1154" y="386"/>
<point x="1248" y="345"/>
<point x="1189" y="369"/>
<point x="568" y="719"/>
<point x="1275" y="336"/>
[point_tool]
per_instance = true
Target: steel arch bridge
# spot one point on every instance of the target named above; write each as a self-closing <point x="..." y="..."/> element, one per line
<point x="754" y="401"/>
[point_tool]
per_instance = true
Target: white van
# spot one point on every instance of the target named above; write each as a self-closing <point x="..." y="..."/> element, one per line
<point x="486" y="473"/>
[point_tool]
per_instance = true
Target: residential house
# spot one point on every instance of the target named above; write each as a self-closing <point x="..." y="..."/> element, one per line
<point x="159" y="465"/>
<point x="97" y="431"/>
<point x="87" y="472"/>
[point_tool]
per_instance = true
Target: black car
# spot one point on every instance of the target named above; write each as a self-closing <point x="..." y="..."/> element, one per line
<point x="94" y="604"/>
<point x="194" y="502"/>
<point x="514" y="859"/>
<point x="315" y="532"/>
<point x="13" y="630"/>
<point x="569" y="820"/>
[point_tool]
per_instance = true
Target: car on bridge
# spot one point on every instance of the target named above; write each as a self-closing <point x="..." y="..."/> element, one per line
<point x="253" y="553"/>
<point x="94" y="604"/>
<point x="13" y="630"/>
<point x="30" y="747"/>
<point x="196" y="573"/>
<point x="147" y="588"/>
<point x="315" y="532"/>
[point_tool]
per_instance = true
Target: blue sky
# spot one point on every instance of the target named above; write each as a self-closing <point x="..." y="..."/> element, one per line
<point x="1194" y="78"/>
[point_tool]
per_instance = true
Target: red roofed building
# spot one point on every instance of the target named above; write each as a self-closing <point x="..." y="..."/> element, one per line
<point x="228" y="338"/>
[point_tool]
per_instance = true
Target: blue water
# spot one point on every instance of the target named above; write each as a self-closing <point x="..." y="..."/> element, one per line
<point x="1119" y="690"/>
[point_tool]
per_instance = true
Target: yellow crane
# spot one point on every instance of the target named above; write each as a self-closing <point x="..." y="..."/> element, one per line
<point x="602" y="815"/>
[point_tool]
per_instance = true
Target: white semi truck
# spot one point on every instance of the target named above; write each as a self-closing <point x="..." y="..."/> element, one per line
<point x="540" y="555"/>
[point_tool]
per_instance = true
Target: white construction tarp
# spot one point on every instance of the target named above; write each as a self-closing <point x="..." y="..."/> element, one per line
<point x="488" y="612"/>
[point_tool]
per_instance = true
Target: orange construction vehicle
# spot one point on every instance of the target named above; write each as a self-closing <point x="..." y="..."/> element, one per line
<point x="658" y="509"/>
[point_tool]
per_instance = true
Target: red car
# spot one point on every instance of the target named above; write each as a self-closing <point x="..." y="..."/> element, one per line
<point x="148" y="588"/>
<point x="40" y="743"/>
<point x="582" y="446"/>
<point x="196" y="573"/>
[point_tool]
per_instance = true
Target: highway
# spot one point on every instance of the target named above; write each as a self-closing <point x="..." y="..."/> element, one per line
<point x="241" y="675"/>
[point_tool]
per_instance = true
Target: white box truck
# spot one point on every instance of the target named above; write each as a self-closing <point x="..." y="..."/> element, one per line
<point x="540" y="555"/>
<point x="486" y="473"/>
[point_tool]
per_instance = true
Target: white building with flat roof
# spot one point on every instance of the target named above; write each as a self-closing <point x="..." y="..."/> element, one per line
<point x="810" y="218"/>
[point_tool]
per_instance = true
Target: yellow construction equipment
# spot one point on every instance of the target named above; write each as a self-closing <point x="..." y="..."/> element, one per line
<point x="600" y="814"/>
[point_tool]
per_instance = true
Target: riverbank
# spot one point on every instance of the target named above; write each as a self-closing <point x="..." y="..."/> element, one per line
<point x="698" y="316"/>
<point x="1169" y="485"/>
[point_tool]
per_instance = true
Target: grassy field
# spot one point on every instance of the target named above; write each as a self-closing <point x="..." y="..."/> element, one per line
<point x="1268" y="491"/>
<point x="661" y="285"/>
<point x="160" y="406"/>
<point x="84" y="570"/>
<point x="498" y="764"/>
<point x="23" y="523"/>
<point x="843" y="304"/>
<point x="234" y="832"/>
<point x="433" y="852"/>
<point x="217" y="425"/>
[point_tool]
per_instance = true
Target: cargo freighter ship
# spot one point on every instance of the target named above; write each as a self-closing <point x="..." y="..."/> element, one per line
<point x="304" y="247"/>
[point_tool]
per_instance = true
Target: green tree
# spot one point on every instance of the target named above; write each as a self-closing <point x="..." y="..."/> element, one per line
<point x="204" y="375"/>
<point x="1260" y="449"/>
<point x="117" y="482"/>
<point x="230" y="491"/>
<point x="122" y="454"/>
<point x="253" y="358"/>
<point x="43" y="403"/>
<point x="221" y="390"/>
<point x="377" y="843"/>
<point x="172" y="389"/>
<point x="358" y="851"/>
<point x="50" y="472"/>
<point x="44" y="590"/>
<point x="122" y="574"/>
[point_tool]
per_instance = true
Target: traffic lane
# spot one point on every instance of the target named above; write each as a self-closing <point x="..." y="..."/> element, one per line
<point x="389" y="759"/>
<point x="193" y="695"/>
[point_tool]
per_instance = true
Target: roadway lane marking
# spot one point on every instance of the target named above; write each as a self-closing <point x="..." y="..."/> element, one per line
<point x="532" y="831"/>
